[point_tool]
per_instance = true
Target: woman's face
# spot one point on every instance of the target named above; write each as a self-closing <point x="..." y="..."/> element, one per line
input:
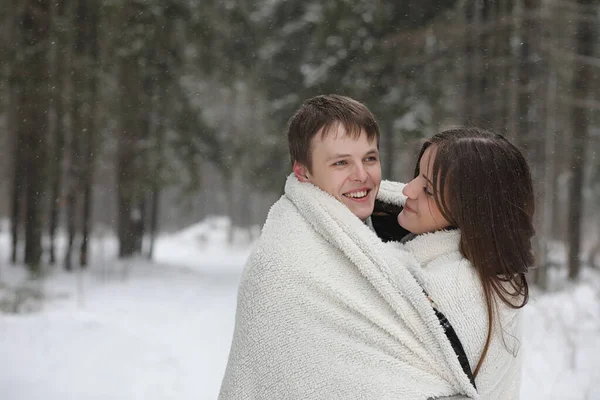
<point x="420" y="213"/>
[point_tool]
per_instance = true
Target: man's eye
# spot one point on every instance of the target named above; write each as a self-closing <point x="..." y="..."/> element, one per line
<point x="340" y="163"/>
<point x="371" y="159"/>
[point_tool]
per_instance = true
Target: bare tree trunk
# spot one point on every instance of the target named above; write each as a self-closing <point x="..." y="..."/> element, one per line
<point x="154" y="207"/>
<point x="527" y="108"/>
<point x="167" y="52"/>
<point x="79" y="120"/>
<point x="62" y="54"/>
<point x="546" y="165"/>
<point x="506" y="62"/>
<point x="586" y="37"/>
<point x="132" y="152"/>
<point x="141" y="225"/>
<point x="18" y="172"/>
<point x="471" y="101"/>
<point x="70" y="204"/>
<point x="229" y="173"/>
<point x="157" y="120"/>
<point x="549" y="188"/>
<point x="161" y="110"/>
<point x="526" y="73"/>
<point x="512" y="74"/>
<point x="562" y="137"/>
<point x="91" y="134"/>
<point x="18" y="181"/>
<point x="128" y="190"/>
<point x="485" y="81"/>
<point x="87" y="194"/>
<point x="147" y="133"/>
<point x="33" y="122"/>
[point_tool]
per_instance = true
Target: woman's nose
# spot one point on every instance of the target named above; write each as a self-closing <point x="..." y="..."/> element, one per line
<point x="410" y="189"/>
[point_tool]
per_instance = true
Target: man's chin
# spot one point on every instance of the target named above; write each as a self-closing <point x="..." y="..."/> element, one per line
<point x="362" y="212"/>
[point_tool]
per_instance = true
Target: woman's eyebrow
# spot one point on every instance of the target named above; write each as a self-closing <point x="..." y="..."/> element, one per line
<point x="427" y="179"/>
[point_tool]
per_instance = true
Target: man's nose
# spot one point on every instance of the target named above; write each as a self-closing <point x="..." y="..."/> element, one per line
<point x="359" y="173"/>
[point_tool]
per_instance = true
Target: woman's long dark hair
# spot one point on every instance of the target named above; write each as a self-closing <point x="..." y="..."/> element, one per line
<point x="483" y="186"/>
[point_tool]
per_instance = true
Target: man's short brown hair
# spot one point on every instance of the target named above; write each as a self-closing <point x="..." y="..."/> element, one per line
<point x="322" y="113"/>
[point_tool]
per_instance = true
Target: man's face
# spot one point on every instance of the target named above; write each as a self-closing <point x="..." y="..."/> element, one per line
<point x="346" y="168"/>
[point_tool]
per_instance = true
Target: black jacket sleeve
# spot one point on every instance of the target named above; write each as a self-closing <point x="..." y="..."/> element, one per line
<point x="385" y="222"/>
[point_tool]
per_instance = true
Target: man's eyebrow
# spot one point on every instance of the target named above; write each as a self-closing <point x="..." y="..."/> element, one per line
<point x="339" y="155"/>
<point x="333" y="157"/>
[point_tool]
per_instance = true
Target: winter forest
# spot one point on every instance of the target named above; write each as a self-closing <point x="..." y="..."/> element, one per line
<point x="142" y="144"/>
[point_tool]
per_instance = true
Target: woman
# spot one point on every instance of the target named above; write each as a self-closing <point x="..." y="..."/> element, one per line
<point x="469" y="210"/>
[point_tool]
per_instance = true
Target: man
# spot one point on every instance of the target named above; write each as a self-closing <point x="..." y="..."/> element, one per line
<point x="325" y="310"/>
<point x="334" y="144"/>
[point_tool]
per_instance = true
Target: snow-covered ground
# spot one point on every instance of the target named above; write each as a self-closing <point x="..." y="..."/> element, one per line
<point x="161" y="330"/>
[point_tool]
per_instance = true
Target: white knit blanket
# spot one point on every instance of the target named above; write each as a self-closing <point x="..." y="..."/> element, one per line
<point x="326" y="311"/>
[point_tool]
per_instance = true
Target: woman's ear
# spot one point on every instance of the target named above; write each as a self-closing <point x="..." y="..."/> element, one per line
<point x="301" y="172"/>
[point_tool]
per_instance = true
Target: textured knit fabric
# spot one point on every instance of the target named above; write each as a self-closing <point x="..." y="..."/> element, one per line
<point x="327" y="311"/>
<point x="453" y="284"/>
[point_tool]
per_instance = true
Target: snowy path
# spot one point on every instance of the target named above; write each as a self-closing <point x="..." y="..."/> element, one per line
<point x="163" y="333"/>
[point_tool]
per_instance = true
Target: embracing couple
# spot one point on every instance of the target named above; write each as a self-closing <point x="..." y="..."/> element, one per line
<point x="360" y="288"/>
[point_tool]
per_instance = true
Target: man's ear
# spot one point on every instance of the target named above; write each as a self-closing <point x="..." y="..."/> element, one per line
<point x="301" y="172"/>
